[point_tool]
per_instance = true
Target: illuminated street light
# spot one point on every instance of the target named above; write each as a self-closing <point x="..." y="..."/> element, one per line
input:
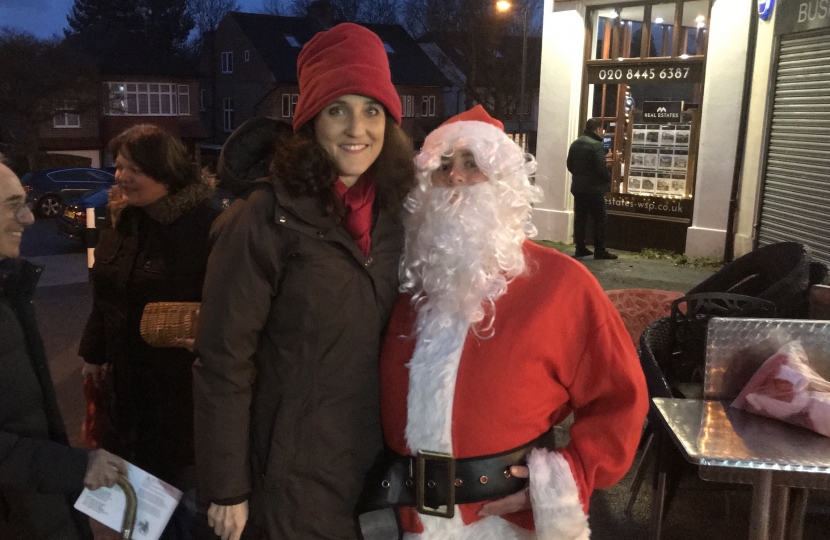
<point x="503" y="5"/>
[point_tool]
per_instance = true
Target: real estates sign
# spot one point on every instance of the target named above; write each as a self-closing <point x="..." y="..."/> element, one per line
<point x="801" y="15"/>
<point x="662" y="112"/>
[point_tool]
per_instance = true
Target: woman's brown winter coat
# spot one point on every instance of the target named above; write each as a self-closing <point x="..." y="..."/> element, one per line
<point x="287" y="406"/>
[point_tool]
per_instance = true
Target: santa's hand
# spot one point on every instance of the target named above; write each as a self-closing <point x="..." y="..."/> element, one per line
<point x="512" y="503"/>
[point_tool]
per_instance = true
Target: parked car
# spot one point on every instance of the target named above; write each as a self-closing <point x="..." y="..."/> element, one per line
<point x="72" y="221"/>
<point x="47" y="189"/>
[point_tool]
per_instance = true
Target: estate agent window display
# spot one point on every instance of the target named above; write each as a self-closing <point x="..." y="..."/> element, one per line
<point x="643" y="77"/>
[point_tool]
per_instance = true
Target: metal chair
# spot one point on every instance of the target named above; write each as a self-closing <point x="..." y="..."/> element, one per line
<point x="656" y="359"/>
<point x="689" y="316"/>
<point x="655" y="342"/>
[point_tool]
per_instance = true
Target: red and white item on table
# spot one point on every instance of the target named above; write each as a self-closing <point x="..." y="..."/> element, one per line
<point x="787" y="388"/>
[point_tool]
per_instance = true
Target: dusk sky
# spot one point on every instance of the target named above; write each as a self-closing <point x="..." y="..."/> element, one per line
<point x="43" y="18"/>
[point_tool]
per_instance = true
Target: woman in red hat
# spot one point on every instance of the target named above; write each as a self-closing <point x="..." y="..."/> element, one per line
<point x="299" y="287"/>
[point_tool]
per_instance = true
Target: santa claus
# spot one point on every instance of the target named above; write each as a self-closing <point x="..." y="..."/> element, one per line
<point x="495" y="341"/>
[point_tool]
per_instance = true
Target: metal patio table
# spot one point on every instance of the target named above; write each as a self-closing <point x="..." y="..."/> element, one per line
<point x="731" y="445"/>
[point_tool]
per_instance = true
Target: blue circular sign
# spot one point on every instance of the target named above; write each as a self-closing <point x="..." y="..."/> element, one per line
<point x="765" y="9"/>
<point x="629" y="104"/>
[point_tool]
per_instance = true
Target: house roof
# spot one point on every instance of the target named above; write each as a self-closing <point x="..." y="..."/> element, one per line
<point x="117" y="53"/>
<point x="267" y="33"/>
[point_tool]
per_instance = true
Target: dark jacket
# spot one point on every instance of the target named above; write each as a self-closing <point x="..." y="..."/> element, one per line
<point x="40" y="475"/>
<point x="586" y="162"/>
<point x="287" y="400"/>
<point x="146" y="259"/>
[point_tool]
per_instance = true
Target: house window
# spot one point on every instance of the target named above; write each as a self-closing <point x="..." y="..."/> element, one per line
<point x="227" y="62"/>
<point x="227" y="114"/>
<point x="388" y="48"/>
<point x="115" y="98"/>
<point x="65" y="117"/>
<point x="289" y="102"/>
<point x="407" y="106"/>
<point x="292" y="41"/>
<point x="428" y="106"/>
<point x="184" y="100"/>
<point x="203" y="99"/>
<point x="146" y="99"/>
<point x="247" y="55"/>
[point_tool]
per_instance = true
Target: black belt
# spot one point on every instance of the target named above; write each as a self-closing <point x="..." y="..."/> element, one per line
<point x="434" y="483"/>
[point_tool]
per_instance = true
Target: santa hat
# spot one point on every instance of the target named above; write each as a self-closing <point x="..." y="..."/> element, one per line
<point x="474" y="124"/>
<point x="475" y="130"/>
<point x="348" y="59"/>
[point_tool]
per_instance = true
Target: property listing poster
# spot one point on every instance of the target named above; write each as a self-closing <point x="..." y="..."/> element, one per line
<point x="659" y="160"/>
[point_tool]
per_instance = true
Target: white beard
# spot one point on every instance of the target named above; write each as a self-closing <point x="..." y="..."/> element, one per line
<point x="463" y="247"/>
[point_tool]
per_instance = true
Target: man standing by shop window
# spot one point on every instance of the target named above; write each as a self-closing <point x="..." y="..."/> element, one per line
<point x="591" y="180"/>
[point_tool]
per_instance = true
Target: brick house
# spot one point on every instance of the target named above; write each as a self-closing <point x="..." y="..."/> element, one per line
<point x="250" y="69"/>
<point x="139" y="85"/>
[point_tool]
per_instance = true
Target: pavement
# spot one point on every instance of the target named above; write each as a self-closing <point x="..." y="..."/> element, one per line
<point x="634" y="271"/>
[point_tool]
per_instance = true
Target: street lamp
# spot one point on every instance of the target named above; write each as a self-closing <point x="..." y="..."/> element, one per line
<point x="504" y="6"/>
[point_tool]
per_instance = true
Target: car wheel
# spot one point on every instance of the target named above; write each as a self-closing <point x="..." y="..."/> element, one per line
<point x="49" y="206"/>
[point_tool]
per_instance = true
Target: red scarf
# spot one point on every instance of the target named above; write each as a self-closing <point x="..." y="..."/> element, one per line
<point x="358" y="201"/>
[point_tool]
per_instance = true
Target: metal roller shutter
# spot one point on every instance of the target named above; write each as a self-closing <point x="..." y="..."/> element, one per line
<point x="796" y="197"/>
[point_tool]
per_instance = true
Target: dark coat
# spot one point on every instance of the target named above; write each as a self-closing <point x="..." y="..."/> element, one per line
<point x="40" y="474"/>
<point x="287" y="400"/>
<point x="141" y="260"/>
<point x="586" y="162"/>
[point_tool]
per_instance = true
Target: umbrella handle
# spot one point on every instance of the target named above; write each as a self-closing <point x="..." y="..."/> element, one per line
<point x="130" y="511"/>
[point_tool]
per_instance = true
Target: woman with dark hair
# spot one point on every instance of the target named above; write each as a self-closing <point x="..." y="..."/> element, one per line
<point x="155" y="251"/>
<point x="300" y="285"/>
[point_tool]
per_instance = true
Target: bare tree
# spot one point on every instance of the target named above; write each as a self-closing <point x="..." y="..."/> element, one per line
<point x="207" y="14"/>
<point x="366" y="11"/>
<point x="273" y="7"/>
<point x="37" y="78"/>
<point x="484" y="44"/>
<point x="380" y="11"/>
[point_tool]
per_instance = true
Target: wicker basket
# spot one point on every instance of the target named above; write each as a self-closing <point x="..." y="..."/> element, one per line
<point x="163" y="323"/>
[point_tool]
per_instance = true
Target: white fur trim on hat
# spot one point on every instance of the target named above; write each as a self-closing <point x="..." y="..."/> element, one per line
<point x="557" y="511"/>
<point x="447" y="134"/>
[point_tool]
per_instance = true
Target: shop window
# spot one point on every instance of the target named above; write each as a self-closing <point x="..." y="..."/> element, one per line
<point x="662" y="28"/>
<point x="621" y="32"/>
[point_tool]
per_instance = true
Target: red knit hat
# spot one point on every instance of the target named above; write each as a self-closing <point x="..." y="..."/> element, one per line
<point x="476" y="114"/>
<point x="348" y="59"/>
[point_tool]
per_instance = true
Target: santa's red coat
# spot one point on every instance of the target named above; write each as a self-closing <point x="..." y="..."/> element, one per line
<point x="559" y="347"/>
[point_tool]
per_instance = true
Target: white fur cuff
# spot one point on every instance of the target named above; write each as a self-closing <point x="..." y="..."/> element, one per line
<point x="557" y="511"/>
